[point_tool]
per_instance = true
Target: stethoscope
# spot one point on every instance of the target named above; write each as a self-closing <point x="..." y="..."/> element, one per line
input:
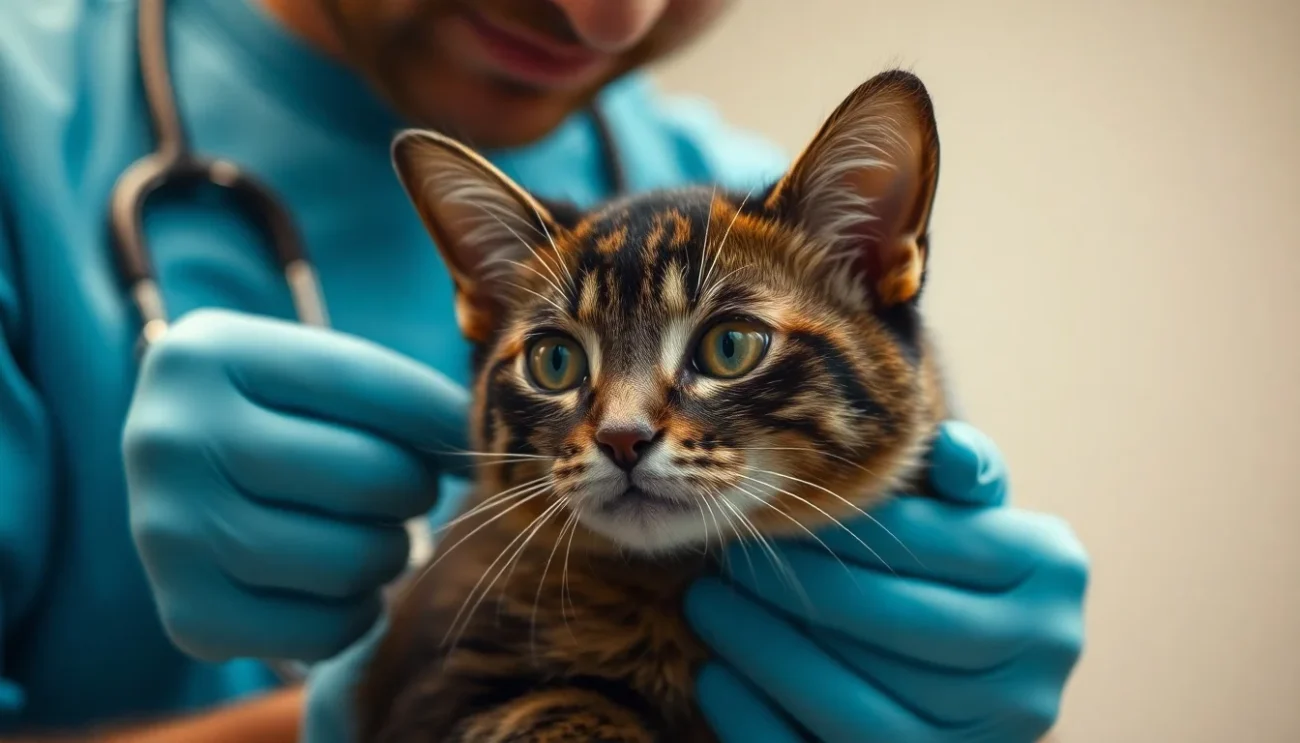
<point x="173" y="164"/>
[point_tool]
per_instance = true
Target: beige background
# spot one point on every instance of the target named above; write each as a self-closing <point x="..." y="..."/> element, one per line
<point x="1117" y="279"/>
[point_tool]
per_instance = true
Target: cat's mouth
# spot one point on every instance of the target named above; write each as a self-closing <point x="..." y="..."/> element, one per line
<point x="637" y="500"/>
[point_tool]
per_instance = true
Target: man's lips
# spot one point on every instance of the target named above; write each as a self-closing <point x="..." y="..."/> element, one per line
<point x="531" y="57"/>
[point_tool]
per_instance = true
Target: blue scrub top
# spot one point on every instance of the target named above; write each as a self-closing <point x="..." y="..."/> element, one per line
<point x="80" y="640"/>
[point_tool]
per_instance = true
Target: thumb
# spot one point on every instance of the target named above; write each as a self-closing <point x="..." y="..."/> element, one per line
<point x="330" y="714"/>
<point x="966" y="466"/>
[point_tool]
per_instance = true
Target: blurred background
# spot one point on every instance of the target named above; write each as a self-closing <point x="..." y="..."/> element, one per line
<point x="1116" y="281"/>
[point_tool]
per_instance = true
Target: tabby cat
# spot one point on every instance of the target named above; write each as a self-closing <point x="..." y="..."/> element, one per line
<point x="653" y="376"/>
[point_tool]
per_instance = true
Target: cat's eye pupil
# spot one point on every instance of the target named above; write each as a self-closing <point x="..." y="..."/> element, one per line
<point x="556" y="363"/>
<point x="731" y="349"/>
<point x="559" y="355"/>
<point x="729" y="343"/>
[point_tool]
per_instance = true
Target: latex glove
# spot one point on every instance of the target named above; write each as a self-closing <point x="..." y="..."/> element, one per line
<point x="330" y="714"/>
<point x="271" y="467"/>
<point x="972" y="640"/>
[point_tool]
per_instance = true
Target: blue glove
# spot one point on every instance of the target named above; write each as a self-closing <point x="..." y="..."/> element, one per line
<point x="971" y="637"/>
<point x="271" y="467"/>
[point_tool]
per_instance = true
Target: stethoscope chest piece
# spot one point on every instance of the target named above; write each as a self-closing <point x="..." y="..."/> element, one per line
<point x="173" y="164"/>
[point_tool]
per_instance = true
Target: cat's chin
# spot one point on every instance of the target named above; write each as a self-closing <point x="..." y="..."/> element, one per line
<point x="650" y="528"/>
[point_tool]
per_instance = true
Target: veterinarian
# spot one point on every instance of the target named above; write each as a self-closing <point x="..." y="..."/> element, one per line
<point x="224" y="386"/>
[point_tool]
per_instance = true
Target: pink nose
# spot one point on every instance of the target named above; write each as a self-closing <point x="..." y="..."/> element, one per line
<point x="625" y="443"/>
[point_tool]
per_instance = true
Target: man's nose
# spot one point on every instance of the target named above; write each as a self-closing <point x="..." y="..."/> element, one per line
<point x="612" y="25"/>
<point x="626" y="443"/>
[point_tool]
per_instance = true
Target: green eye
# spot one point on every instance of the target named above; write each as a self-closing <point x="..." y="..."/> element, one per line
<point x="557" y="363"/>
<point x="731" y="349"/>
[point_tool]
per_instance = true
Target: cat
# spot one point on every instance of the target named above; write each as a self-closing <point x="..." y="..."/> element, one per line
<point x="652" y="376"/>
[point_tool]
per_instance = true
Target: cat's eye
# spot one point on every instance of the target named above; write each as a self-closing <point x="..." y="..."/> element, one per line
<point x="556" y="363"/>
<point x="731" y="349"/>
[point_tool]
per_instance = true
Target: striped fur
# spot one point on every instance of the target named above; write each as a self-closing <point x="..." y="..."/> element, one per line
<point x="550" y="611"/>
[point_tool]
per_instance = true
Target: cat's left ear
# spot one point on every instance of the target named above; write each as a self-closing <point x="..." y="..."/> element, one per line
<point x="864" y="186"/>
<point x="486" y="226"/>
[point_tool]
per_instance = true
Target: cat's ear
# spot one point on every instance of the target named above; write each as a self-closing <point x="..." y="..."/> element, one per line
<point x="864" y="186"/>
<point x="483" y="223"/>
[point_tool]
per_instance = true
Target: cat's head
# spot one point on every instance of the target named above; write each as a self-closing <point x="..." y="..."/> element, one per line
<point x="670" y="366"/>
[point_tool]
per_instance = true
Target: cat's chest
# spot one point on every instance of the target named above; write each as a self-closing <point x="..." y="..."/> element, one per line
<point x="624" y="632"/>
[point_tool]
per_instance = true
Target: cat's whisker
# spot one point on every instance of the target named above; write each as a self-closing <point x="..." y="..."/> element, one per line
<point x="822" y="511"/>
<point x="740" y="539"/>
<point x="527" y="267"/>
<point x="531" y="494"/>
<point x="457" y="452"/>
<point x="721" y="282"/>
<point x="564" y="577"/>
<point x="524" y="242"/>
<point x="723" y="242"/>
<point x="571" y="522"/>
<point x="779" y="564"/>
<point x="526" y="534"/>
<point x="706" y="525"/>
<point x="722" y="542"/>
<point x="545" y="299"/>
<point x="797" y="523"/>
<point x="551" y="239"/>
<point x="704" y="249"/>
<point x="855" y="507"/>
<point x="826" y="454"/>
<point x="492" y="501"/>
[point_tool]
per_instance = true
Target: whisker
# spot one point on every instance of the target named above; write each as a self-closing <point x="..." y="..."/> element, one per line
<point x="526" y="534"/>
<point x="779" y="564"/>
<point x="551" y="239"/>
<point x="740" y="539"/>
<point x="524" y="242"/>
<point x="545" y="299"/>
<point x="704" y="252"/>
<point x="826" y="454"/>
<point x="564" y="577"/>
<point x="855" y="507"/>
<point x="721" y="243"/>
<point x="818" y="509"/>
<point x="572" y="521"/>
<point x="490" y="502"/>
<point x="541" y="488"/>
<point x="801" y="525"/>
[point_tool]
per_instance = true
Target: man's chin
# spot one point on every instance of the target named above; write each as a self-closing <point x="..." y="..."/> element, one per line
<point x="492" y="112"/>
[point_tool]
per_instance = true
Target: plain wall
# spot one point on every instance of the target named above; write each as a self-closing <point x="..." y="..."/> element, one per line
<point x="1116" y="281"/>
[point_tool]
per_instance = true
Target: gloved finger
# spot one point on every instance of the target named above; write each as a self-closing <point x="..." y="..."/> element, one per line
<point x="1007" y="700"/>
<point x="986" y="549"/>
<point x="330" y="714"/>
<point x="322" y="373"/>
<point x="926" y="621"/>
<point x="320" y="466"/>
<point x="227" y="621"/>
<point x="827" y="698"/>
<point x="736" y="713"/>
<point x="966" y="466"/>
<point x="304" y="553"/>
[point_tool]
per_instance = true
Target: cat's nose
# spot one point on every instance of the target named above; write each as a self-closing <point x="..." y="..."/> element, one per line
<point x="626" y="443"/>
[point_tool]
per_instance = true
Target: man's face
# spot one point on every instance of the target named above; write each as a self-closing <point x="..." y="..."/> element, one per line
<point x="501" y="73"/>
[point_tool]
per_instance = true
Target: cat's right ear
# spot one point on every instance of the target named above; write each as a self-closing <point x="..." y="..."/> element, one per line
<point x="483" y="223"/>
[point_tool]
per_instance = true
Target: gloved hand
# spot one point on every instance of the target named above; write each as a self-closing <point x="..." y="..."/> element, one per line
<point x="972" y="639"/>
<point x="271" y="467"/>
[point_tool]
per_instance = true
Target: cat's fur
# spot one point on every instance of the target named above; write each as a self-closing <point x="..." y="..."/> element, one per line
<point x="548" y="617"/>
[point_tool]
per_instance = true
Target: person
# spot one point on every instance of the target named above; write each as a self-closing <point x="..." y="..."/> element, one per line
<point x="172" y="524"/>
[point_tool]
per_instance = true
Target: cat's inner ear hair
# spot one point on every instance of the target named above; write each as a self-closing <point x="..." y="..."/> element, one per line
<point x="486" y="227"/>
<point x="863" y="188"/>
